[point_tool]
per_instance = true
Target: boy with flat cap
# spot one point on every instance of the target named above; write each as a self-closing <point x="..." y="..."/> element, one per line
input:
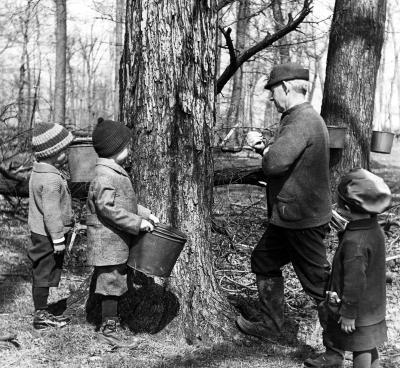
<point x="354" y="308"/>
<point x="296" y="166"/>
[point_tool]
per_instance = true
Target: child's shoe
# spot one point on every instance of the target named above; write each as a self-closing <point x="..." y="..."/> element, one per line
<point x="43" y="319"/>
<point x="325" y="360"/>
<point x="110" y="334"/>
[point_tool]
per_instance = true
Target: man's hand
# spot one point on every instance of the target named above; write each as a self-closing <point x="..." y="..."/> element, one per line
<point x="154" y="219"/>
<point x="348" y="325"/>
<point x="256" y="141"/>
<point x="59" y="248"/>
<point x="146" y="226"/>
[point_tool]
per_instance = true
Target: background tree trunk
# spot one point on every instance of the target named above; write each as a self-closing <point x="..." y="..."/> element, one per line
<point x="119" y="19"/>
<point x="282" y="43"/>
<point x="61" y="62"/>
<point x="168" y="100"/>
<point x="354" y="53"/>
<point x="235" y="113"/>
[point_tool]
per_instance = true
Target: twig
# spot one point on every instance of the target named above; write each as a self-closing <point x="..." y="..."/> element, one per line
<point x="391" y="258"/>
<point x="238" y="283"/>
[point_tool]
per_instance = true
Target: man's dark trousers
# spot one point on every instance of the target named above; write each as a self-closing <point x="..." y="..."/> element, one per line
<point x="304" y="248"/>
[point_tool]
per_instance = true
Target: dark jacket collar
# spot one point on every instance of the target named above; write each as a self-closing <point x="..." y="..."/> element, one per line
<point x="362" y="224"/>
<point x="295" y="108"/>
<point x="112" y="165"/>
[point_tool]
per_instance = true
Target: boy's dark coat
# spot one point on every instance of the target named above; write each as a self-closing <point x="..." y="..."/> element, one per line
<point x="359" y="272"/>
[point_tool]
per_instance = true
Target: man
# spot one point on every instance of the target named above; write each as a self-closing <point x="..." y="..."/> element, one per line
<point x="299" y="206"/>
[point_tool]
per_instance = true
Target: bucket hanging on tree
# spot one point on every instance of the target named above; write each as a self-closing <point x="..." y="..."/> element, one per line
<point x="381" y="142"/>
<point x="81" y="160"/>
<point x="337" y="136"/>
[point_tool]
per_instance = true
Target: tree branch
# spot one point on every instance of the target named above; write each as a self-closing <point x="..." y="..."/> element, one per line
<point x="11" y="176"/>
<point x="229" y="43"/>
<point x="266" y="42"/>
<point x="222" y="3"/>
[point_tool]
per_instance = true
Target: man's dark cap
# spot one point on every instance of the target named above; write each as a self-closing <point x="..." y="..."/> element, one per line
<point x="286" y="72"/>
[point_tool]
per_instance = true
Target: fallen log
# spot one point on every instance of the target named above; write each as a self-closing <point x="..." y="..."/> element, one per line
<point x="242" y="167"/>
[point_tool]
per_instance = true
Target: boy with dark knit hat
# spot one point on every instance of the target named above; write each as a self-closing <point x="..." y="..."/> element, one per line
<point x="113" y="218"/>
<point x="354" y="309"/>
<point x="50" y="217"/>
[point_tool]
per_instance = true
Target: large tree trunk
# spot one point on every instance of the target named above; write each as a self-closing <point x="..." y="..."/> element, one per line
<point x="354" y="53"/>
<point x="168" y="100"/>
<point x="61" y="62"/>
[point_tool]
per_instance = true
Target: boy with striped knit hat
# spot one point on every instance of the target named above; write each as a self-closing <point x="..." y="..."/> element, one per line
<point x="50" y="217"/>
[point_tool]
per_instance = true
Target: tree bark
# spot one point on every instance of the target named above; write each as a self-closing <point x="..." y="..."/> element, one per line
<point x="354" y="53"/>
<point x="168" y="101"/>
<point x="61" y="62"/>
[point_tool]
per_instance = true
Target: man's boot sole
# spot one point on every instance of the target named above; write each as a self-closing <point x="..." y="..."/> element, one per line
<point x="240" y="323"/>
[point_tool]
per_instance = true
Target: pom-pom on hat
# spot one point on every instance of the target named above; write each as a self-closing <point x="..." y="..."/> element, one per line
<point x="110" y="137"/>
<point x="49" y="139"/>
<point x="364" y="192"/>
<point x="286" y="72"/>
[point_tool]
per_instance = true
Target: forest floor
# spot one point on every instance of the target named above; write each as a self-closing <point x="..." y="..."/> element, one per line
<point x="241" y="211"/>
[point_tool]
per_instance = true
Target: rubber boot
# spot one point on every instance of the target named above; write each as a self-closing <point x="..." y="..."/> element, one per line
<point x="270" y="291"/>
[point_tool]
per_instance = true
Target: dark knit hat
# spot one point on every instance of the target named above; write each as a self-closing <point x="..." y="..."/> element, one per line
<point x="49" y="139"/>
<point x="364" y="192"/>
<point x="110" y="137"/>
<point x="286" y="72"/>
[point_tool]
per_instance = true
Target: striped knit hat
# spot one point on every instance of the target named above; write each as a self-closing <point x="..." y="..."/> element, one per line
<point x="49" y="139"/>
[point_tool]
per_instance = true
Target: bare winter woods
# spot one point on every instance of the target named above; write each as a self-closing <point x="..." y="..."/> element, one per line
<point x="188" y="78"/>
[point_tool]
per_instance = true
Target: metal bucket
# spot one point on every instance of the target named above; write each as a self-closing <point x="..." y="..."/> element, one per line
<point x="81" y="161"/>
<point x="381" y="142"/>
<point x="156" y="253"/>
<point x="337" y="136"/>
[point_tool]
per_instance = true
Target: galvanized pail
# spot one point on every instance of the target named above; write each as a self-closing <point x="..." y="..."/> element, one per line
<point x="156" y="253"/>
<point x="337" y="136"/>
<point x="381" y="142"/>
<point x="82" y="161"/>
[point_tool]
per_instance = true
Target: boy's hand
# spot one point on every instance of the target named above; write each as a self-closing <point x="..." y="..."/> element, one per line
<point x="146" y="226"/>
<point x="348" y="325"/>
<point x="154" y="219"/>
<point x="59" y="248"/>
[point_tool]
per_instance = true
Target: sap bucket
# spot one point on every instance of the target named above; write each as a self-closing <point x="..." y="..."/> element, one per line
<point x="337" y="136"/>
<point x="381" y="142"/>
<point x="81" y="160"/>
<point x="156" y="253"/>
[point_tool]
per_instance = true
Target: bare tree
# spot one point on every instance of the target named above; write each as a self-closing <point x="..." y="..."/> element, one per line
<point x="235" y="114"/>
<point x="236" y="60"/>
<point x="354" y="53"/>
<point x="119" y="21"/>
<point x="61" y="62"/>
<point x="168" y="100"/>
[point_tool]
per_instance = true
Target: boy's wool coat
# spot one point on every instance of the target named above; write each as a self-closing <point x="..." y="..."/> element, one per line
<point x="113" y="215"/>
